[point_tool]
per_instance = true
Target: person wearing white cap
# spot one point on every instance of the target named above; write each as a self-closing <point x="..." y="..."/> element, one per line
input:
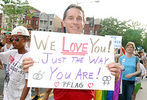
<point x="15" y="85"/>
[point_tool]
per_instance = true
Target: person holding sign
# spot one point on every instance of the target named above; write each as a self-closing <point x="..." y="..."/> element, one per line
<point x="73" y="21"/>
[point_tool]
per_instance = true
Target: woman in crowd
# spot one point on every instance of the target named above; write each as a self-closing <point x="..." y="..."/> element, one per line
<point x="131" y="66"/>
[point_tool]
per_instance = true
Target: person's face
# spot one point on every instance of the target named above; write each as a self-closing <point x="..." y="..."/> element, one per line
<point x="141" y="54"/>
<point x="74" y="21"/>
<point x="130" y="49"/>
<point x="8" y="36"/>
<point x="18" y="41"/>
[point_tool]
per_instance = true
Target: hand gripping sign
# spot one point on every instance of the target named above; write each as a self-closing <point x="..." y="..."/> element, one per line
<point x="71" y="61"/>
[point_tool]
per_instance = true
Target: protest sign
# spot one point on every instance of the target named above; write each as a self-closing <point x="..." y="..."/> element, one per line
<point x="117" y="40"/>
<point x="70" y="61"/>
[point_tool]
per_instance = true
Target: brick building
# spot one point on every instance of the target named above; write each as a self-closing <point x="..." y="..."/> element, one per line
<point x="92" y="26"/>
<point x="32" y="22"/>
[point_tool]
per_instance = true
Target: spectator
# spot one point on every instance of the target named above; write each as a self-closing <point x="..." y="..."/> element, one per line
<point x="8" y="45"/>
<point x="130" y="63"/>
<point x="141" y="57"/>
<point x="15" y="85"/>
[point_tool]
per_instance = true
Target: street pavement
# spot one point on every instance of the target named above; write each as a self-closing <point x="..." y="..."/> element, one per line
<point x="142" y="93"/>
<point x="2" y="76"/>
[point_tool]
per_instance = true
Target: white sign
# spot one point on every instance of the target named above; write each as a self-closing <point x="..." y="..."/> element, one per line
<point x="117" y="40"/>
<point x="71" y="61"/>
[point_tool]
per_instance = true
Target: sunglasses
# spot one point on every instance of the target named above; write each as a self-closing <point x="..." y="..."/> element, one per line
<point x="16" y="39"/>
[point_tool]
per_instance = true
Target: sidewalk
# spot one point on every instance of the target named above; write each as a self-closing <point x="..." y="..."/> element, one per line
<point x="142" y="94"/>
<point x="1" y="98"/>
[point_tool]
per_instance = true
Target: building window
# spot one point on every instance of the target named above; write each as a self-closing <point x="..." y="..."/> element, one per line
<point x="36" y="22"/>
<point x="32" y="22"/>
<point x="29" y="22"/>
<point x="23" y="20"/>
<point x="91" y="32"/>
<point x="96" y="32"/>
<point x="51" y="22"/>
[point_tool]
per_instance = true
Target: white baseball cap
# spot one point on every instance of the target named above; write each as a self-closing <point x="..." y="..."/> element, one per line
<point x="20" y="30"/>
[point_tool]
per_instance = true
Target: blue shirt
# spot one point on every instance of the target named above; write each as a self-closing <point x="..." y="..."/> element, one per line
<point x="129" y="63"/>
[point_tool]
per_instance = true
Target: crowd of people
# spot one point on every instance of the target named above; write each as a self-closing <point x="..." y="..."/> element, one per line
<point x="15" y="61"/>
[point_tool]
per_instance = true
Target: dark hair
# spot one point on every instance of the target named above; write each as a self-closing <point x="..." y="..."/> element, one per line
<point x="1" y="44"/>
<point x="72" y="6"/>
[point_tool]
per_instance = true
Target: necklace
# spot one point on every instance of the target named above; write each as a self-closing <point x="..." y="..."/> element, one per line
<point x="11" y="59"/>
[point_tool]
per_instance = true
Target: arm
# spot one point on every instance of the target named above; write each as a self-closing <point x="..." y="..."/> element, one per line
<point x="1" y="60"/>
<point x="138" y="69"/>
<point x="1" y="65"/>
<point x="2" y="50"/>
<point x="47" y="93"/>
<point x="135" y="73"/>
<point x="25" y="91"/>
<point x="3" y="43"/>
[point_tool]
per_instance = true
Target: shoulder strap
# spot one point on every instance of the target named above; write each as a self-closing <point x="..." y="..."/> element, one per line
<point x="136" y="59"/>
<point x="136" y="63"/>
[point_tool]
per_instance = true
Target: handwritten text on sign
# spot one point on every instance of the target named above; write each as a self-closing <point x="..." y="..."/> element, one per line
<point x="117" y="40"/>
<point x="71" y="61"/>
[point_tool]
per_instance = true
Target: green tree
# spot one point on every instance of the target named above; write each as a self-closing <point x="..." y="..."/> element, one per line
<point x="140" y="32"/>
<point x="112" y="26"/>
<point x="145" y="42"/>
<point x="15" y="11"/>
<point x="133" y="35"/>
<point x="129" y="30"/>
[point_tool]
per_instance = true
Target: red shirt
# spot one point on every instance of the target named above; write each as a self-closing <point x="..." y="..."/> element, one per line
<point x="71" y="94"/>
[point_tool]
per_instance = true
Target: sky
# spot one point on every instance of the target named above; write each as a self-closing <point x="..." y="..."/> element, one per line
<point x="121" y="9"/>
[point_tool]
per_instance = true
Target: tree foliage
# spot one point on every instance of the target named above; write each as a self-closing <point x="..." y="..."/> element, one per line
<point x="14" y="12"/>
<point x="145" y="42"/>
<point x="112" y="26"/>
<point x="129" y="30"/>
<point x="132" y="35"/>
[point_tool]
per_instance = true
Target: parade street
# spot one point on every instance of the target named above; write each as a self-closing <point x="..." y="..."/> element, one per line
<point x="142" y="94"/>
